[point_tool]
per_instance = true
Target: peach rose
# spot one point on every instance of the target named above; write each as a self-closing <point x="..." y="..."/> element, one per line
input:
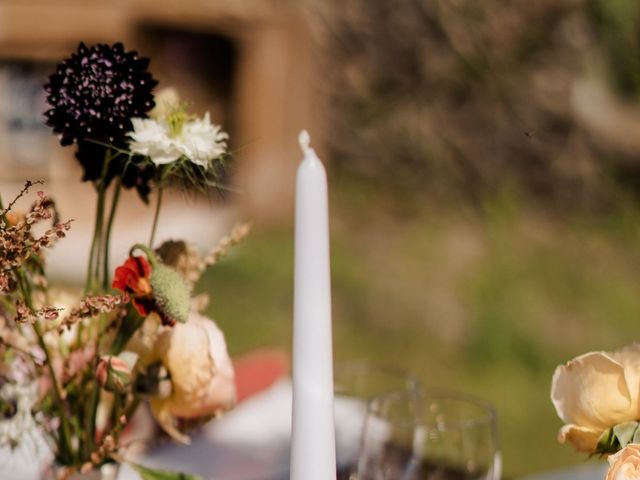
<point x="201" y="373"/>
<point x="625" y="465"/>
<point x="594" y="392"/>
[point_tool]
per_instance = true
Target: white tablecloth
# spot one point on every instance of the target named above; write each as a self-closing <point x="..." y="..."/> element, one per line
<point x="249" y="443"/>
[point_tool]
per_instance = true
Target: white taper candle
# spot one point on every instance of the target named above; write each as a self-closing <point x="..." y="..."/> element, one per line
<point x="313" y="455"/>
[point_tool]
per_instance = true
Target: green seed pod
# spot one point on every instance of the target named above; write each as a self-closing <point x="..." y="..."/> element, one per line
<point x="171" y="294"/>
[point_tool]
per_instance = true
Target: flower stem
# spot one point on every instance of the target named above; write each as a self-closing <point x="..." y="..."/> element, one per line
<point x="128" y="412"/>
<point x="107" y="242"/>
<point x="91" y="418"/>
<point x="116" y="412"/>
<point x="95" y="279"/>
<point x="88" y="286"/>
<point x="93" y="269"/>
<point x="155" y="217"/>
<point x="66" y="448"/>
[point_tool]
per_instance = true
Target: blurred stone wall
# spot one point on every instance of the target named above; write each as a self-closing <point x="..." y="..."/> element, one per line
<point x="245" y="61"/>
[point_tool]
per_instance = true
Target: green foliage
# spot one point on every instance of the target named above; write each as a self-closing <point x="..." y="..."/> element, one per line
<point x="147" y="473"/>
<point x="618" y="437"/>
<point x="607" y="443"/>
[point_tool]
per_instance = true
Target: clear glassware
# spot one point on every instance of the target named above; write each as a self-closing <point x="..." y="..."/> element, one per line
<point x="355" y="385"/>
<point x="432" y="436"/>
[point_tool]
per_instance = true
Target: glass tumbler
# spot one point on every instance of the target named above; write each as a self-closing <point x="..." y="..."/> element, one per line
<point x="432" y="435"/>
<point x="355" y="385"/>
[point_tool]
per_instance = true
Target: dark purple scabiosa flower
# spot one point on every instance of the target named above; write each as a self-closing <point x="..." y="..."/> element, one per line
<point x="93" y="95"/>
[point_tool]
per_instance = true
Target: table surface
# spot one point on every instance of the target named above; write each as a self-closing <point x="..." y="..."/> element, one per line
<point x="230" y="448"/>
<point x="249" y="443"/>
<point x="589" y="471"/>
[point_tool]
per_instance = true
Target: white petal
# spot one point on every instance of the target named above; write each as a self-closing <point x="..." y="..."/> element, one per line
<point x="151" y="139"/>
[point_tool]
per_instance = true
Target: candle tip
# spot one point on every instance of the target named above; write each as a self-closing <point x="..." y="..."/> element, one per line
<point x="304" y="140"/>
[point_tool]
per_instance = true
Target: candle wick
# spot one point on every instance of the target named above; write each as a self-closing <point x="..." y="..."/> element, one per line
<point x="305" y="140"/>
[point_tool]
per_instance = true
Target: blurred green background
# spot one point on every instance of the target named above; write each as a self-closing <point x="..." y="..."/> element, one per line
<point x="484" y="165"/>
<point x="486" y="303"/>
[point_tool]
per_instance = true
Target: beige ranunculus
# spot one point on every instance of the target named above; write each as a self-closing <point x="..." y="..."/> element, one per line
<point x="625" y="465"/>
<point x="594" y="392"/>
<point x="201" y="372"/>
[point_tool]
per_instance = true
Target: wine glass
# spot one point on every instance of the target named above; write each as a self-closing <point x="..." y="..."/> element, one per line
<point x="431" y="436"/>
<point x="355" y="384"/>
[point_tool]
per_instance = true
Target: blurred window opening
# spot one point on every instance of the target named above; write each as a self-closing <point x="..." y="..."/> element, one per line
<point x="24" y="138"/>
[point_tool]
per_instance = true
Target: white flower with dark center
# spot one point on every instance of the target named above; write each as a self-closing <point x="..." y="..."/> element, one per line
<point x="16" y="421"/>
<point x="176" y="135"/>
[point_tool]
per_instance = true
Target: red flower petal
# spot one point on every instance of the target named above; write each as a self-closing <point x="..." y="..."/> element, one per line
<point x="127" y="276"/>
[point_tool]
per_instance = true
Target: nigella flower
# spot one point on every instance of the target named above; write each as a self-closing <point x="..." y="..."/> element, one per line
<point x="93" y="95"/>
<point x="170" y="138"/>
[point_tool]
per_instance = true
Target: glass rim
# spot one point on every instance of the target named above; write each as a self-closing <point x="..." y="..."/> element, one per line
<point x="358" y="366"/>
<point x="486" y="416"/>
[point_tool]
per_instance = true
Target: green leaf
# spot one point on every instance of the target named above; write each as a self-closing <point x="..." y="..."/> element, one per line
<point x="607" y="443"/>
<point x="147" y="473"/>
<point x="130" y="323"/>
<point x="636" y="437"/>
<point x="625" y="432"/>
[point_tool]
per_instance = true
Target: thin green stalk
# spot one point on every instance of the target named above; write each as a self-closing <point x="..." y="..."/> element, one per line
<point x="156" y="216"/>
<point x="107" y="241"/>
<point x="66" y="432"/>
<point x="128" y="413"/>
<point x="97" y="284"/>
<point x="88" y="286"/>
<point x="90" y="419"/>
<point x="98" y="245"/>
<point x="93" y="269"/>
<point x="116" y="412"/>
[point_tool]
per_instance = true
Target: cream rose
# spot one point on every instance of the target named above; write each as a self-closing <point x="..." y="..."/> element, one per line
<point x="594" y="392"/>
<point x="625" y="465"/>
<point x="201" y="373"/>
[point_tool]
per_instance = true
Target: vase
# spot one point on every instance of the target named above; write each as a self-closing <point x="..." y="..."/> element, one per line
<point x="108" y="471"/>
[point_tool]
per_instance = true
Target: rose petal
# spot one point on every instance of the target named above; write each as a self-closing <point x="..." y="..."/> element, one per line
<point x="162" y="414"/>
<point x="625" y="465"/>
<point x="629" y="357"/>
<point x="583" y="439"/>
<point x="592" y="391"/>
<point x="201" y="372"/>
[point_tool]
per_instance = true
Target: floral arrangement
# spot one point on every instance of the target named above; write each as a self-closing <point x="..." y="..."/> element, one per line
<point x="78" y="367"/>
<point x="597" y="396"/>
